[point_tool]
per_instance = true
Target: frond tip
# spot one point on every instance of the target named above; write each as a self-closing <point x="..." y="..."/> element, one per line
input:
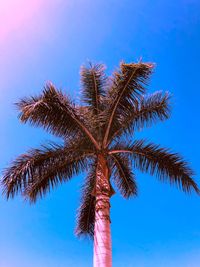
<point x="86" y="212"/>
<point x="33" y="174"/>
<point x="123" y="176"/>
<point x="154" y="159"/>
<point x="52" y="110"/>
<point x="145" y="112"/>
<point x="127" y="86"/>
<point x="93" y="80"/>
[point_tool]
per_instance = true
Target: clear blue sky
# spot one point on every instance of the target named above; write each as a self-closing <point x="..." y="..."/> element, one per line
<point x="49" y="40"/>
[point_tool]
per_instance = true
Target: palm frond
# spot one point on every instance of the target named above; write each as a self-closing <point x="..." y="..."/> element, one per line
<point x="93" y="82"/>
<point x="86" y="211"/>
<point x="146" y="111"/>
<point x="122" y="174"/>
<point x="58" y="173"/>
<point x="55" y="112"/>
<point x="149" y="157"/>
<point x="35" y="172"/>
<point x="127" y="86"/>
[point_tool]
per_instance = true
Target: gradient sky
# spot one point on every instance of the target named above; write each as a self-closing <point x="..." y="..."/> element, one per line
<point x="49" y="40"/>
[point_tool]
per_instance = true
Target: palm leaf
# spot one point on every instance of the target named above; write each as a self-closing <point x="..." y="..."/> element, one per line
<point x="93" y="82"/>
<point x="152" y="158"/>
<point x="127" y="86"/>
<point x="146" y="111"/>
<point x="86" y="212"/>
<point x="123" y="176"/>
<point x="58" y="173"/>
<point x="55" y="112"/>
<point x="34" y="172"/>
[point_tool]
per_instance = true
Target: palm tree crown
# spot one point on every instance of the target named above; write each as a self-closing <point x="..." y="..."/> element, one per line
<point x="112" y="110"/>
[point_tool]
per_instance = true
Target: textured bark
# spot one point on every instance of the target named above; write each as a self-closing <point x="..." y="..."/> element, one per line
<point x="102" y="233"/>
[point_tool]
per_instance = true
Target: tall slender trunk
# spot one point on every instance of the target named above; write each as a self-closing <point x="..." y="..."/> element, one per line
<point x="102" y="233"/>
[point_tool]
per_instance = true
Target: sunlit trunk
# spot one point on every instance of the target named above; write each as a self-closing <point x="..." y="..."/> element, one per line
<point x="102" y="234"/>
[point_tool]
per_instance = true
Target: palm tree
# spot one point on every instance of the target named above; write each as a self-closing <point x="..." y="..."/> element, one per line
<point x="97" y="137"/>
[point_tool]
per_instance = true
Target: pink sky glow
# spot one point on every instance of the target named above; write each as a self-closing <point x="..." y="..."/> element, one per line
<point x="15" y="15"/>
<point x="25" y="25"/>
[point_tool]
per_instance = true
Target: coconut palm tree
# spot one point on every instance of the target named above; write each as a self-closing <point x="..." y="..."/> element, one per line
<point x="98" y="137"/>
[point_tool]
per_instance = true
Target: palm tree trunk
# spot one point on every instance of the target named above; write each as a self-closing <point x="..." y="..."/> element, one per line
<point x="102" y="233"/>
